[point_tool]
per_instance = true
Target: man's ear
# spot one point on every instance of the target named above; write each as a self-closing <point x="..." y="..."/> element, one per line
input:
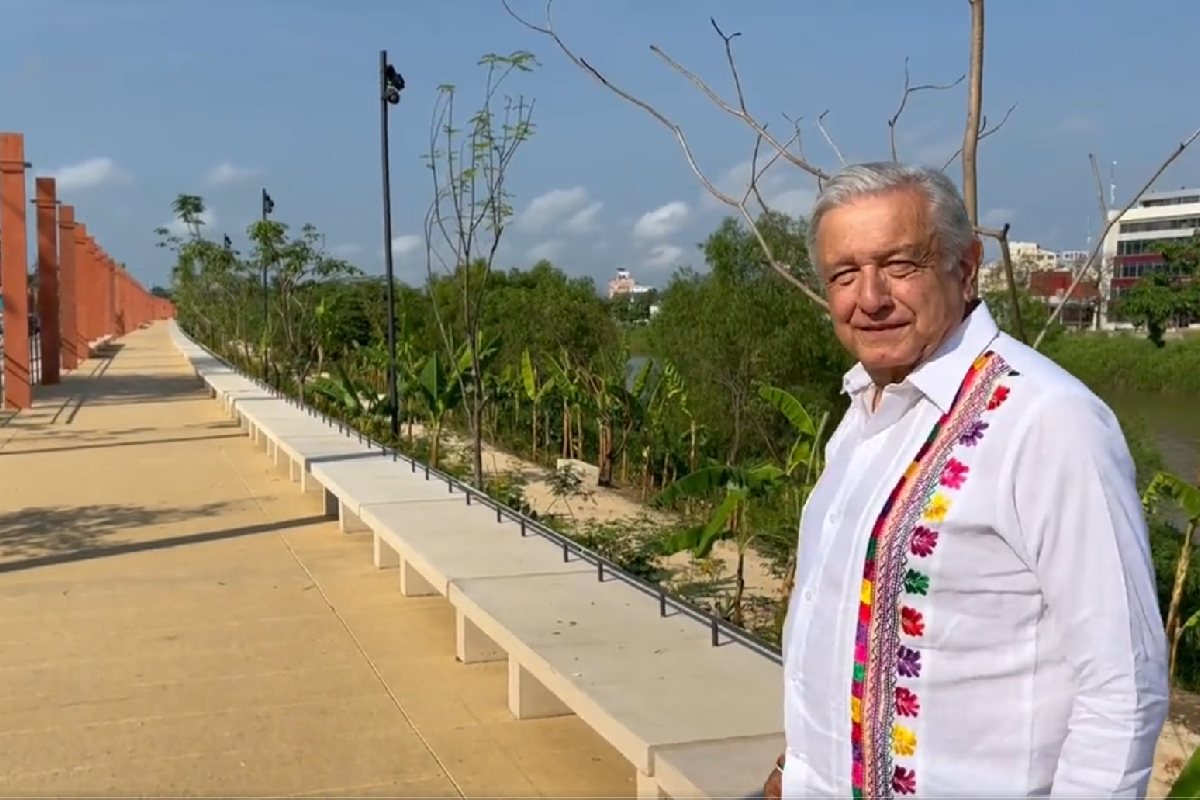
<point x="969" y="267"/>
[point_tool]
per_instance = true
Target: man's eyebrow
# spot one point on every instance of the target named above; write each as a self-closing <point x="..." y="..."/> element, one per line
<point x="906" y="250"/>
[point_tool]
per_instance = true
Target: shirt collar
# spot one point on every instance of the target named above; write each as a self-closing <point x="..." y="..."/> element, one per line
<point x="939" y="377"/>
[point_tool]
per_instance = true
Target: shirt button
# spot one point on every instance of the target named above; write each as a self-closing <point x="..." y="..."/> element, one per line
<point x="808" y="595"/>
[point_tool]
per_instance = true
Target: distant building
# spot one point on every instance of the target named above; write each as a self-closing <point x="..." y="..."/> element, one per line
<point x="1047" y="275"/>
<point x="624" y="284"/>
<point x="1079" y="309"/>
<point x="1129" y="245"/>
<point x="1033" y="255"/>
<point x="1027" y="258"/>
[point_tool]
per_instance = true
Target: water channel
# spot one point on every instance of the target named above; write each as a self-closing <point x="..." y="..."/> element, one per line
<point x="1172" y="421"/>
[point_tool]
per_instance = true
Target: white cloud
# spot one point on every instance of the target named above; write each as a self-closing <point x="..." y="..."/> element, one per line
<point x="783" y="187"/>
<point x="226" y="174"/>
<point x="209" y="219"/>
<point x="664" y="255"/>
<point x="546" y="250"/>
<point x="406" y="245"/>
<point x="793" y="202"/>
<point x="662" y="221"/>
<point x="90" y="174"/>
<point x="586" y="220"/>
<point x="546" y="209"/>
<point x="996" y="217"/>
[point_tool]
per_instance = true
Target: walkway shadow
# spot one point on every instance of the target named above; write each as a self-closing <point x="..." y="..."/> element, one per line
<point x="39" y="432"/>
<point x="104" y="445"/>
<point x="50" y="531"/>
<point x="138" y="387"/>
<point x="115" y="549"/>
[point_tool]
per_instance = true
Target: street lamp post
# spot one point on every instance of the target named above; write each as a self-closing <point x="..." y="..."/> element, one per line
<point x="268" y="205"/>
<point x="391" y="83"/>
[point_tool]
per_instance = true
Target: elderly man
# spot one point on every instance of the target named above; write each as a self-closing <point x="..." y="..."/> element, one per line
<point x="974" y="612"/>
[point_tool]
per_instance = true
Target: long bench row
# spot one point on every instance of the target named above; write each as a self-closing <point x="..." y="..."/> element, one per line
<point x="694" y="720"/>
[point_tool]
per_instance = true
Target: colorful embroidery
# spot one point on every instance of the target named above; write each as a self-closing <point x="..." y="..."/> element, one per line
<point x="893" y="581"/>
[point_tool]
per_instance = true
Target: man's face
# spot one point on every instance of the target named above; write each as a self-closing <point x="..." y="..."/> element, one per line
<point x="891" y="299"/>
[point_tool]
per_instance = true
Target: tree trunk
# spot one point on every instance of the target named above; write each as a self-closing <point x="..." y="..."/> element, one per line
<point x="605" y="454"/>
<point x="692" y="447"/>
<point x="435" y="444"/>
<point x="737" y="616"/>
<point x="578" y="447"/>
<point x="477" y="440"/>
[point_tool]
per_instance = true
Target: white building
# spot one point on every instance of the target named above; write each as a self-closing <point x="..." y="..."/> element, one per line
<point x="1032" y="255"/>
<point x="625" y="284"/>
<point x="1027" y="257"/>
<point x="1128" y="245"/>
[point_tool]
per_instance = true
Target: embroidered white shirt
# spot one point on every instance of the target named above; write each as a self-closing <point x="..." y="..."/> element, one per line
<point x="1031" y="653"/>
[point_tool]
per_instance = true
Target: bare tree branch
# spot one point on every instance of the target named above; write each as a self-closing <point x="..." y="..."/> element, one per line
<point x="973" y="129"/>
<point x="1099" y="186"/>
<point x="984" y="132"/>
<point x="757" y="173"/>
<point x="910" y="90"/>
<point x="1010" y="276"/>
<point x="740" y="112"/>
<point x="828" y="138"/>
<point x="1090" y="264"/>
<point x="784" y="270"/>
<point x="753" y="189"/>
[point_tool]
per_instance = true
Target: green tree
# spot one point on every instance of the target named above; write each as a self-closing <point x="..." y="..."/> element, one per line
<point x="471" y="210"/>
<point x="740" y="325"/>
<point x="1168" y="296"/>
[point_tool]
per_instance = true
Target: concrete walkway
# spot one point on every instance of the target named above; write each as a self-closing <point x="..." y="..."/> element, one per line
<point x="177" y="619"/>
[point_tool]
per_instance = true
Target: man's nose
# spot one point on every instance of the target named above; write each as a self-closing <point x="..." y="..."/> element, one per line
<point x="874" y="293"/>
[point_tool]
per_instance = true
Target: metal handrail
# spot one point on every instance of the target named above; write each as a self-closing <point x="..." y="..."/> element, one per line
<point x="721" y="630"/>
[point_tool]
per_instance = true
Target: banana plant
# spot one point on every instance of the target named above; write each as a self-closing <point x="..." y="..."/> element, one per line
<point x="569" y="388"/>
<point x="442" y="386"/>
<point x="804" y="464"/>
<point x="536" y="392"/>
<point x="672" y="452"/>
<point x="438" y="386"/>
<point x="617" y="411"/>
<point x="742" y="487"/>
<point x="352" y="398"/>
<point x="1172" y="488"/>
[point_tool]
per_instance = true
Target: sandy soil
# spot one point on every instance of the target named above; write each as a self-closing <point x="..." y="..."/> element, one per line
<point x="1175" y="746"/>
<point x="610" y="505"/>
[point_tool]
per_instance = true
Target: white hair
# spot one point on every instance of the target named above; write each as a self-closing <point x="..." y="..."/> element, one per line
<point x="953" y="231"/>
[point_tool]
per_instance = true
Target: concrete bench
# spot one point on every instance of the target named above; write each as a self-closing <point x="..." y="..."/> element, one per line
<point x="302" y="451"/>
<point x="267" y="417"/>
<point x="353" y="485"/>
<point x="600" y="650"/>
<point x="220" y="380"/>
<point x="437" y="543"/>
<point x="231" y="396"/>
<point x="228" y="388"/>
<point x="714" y="769"/>
<point x="276" y="428"/>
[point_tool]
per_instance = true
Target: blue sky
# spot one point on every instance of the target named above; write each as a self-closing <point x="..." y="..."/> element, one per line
<point x="132" y="102"/>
